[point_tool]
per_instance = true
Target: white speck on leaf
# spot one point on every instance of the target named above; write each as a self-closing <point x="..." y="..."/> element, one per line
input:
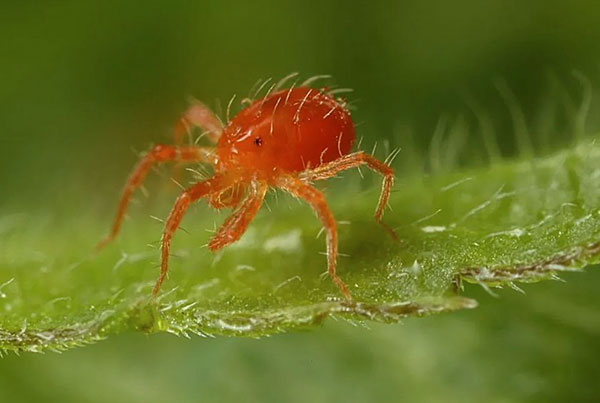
<point x="3" y="295"/>
<point x="516" y="232"/>
<point x="288" y="242"/>
<point x="415" y="268"/>
<point x="433" y="228"/>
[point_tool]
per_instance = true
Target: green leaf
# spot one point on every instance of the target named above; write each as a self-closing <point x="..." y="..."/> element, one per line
<point x="495" y="226"/>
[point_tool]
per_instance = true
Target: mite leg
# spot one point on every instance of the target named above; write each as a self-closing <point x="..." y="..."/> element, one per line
<point x="182" y="203"/>
<point x="160" y="153"/>
<point x="230" y="197"/>
<point x="235" y="226"/>
<point x="316" y="200"/>
<point x="198" y="115"/>
<point x="355" y="160"/>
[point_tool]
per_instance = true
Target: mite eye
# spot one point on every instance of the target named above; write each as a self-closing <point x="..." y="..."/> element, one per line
<point x="258" y="142"/>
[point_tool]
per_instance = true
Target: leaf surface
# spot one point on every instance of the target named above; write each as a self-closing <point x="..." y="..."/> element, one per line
<point x="514" y="221"/>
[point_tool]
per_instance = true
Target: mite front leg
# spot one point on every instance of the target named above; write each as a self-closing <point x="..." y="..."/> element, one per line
<point x="198" y="115"/>
<point x="160" y="153"/>
<point x="192" y="194"/>
<point x="316" y="200"/>
<point x="235" y="226"/>
<point x="352" y="161"/>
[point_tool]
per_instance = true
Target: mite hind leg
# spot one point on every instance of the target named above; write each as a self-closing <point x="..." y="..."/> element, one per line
<point x="198" y="115"/>
<point x="356" y="160"/>
<point x="160" y="153"/>
<point x="190" y="195"/>
<point x="316" y="200"/>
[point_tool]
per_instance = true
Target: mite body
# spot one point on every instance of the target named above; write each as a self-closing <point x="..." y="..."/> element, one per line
<point x="289" y="131"/>
<point x="288" y="140"/>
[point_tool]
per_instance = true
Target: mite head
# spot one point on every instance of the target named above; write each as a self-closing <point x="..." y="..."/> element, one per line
<point x="257" y="138"/>
<point x="250" y="145"/>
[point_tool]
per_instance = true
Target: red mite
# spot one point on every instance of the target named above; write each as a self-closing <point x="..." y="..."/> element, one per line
<point x="288" y="140"/>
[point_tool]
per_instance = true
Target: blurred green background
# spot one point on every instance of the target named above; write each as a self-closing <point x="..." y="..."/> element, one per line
<point x="82" y="83"/>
